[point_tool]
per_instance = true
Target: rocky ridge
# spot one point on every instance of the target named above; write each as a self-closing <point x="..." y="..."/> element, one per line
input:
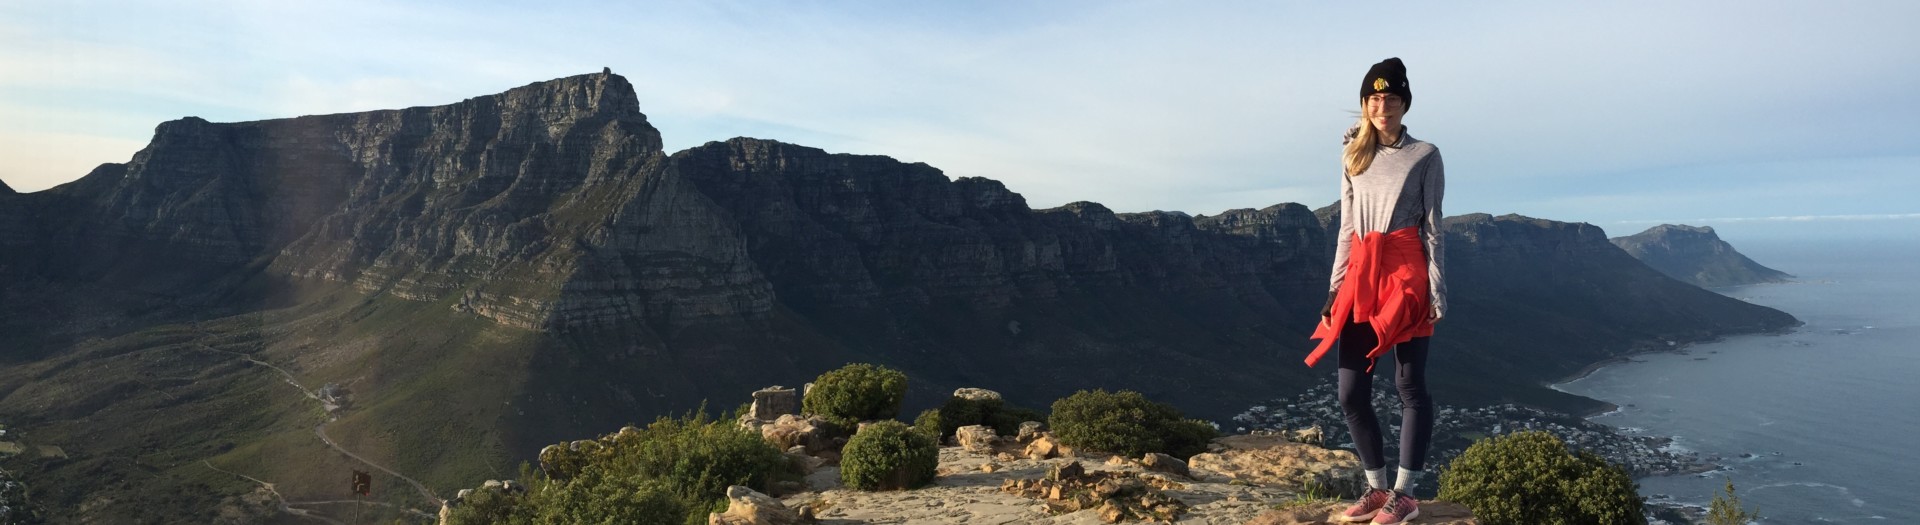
<point x="1696" y="255"/>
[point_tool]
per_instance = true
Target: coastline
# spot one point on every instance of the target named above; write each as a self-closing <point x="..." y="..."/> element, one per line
<point x="1607" y="407"/>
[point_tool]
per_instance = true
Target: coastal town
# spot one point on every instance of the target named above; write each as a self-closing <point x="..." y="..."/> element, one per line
<point x="1457" y="428"/>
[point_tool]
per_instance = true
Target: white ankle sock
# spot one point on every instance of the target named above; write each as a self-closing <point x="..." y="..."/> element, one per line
<point x="1377" y="478"/>
<point x="1406" y="482"/>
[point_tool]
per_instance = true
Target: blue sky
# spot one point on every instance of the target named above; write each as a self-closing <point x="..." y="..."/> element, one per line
<point x="1758" y="118"/>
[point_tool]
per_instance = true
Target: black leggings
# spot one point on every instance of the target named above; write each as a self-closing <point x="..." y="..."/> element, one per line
<point x="1356" y="397"/>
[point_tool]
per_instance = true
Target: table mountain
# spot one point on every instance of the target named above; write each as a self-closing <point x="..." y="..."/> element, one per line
<point x="1695" y="254"/>
<point x="442" y="290"/>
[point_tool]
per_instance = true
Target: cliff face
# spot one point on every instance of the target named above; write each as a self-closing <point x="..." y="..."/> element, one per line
<point x="1696" y="255"/>
<point x="524" y="268"/>
<point x="549" y="205"/>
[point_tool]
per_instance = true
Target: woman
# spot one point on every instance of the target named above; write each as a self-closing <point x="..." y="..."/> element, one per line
<point x="1387" y="290"/>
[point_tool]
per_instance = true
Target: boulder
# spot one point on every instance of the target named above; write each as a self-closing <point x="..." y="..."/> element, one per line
<point x="772" y="402"/>
<point x="1311" y="435"/>
<point x="1045" y="446"/>
<point x="790" y="431"/>
<point x="1158" y="462"/>
<point x="1066" y="471"/>
<point x="746" y="506"/>
<point x="1274" y="461"/>
<point x="978" y="439"/>
<point x="977" y="394"/>
<point x="1030" y="430"/>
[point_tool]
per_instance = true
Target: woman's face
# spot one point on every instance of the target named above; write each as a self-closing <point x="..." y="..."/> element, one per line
<point x="1384" y="111"/>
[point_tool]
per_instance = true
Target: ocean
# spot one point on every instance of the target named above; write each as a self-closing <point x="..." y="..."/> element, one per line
<point x="1814" y="426"/>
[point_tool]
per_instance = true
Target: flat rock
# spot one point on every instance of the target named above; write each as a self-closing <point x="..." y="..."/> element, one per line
<point x="1431" y="513"/>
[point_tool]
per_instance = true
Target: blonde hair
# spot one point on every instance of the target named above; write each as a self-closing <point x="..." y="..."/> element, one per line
<point x="1358" y="155"/>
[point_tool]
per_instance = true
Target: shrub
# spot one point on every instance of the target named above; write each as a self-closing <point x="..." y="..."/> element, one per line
<point x="857" y="392"/>
<point x="1126" y="423"/>
<point x="614" y="499"/>
<point x="1726" y="509"/>
<point x="677" y="468"/>
<point x="595" y="498"/>
<point x="1005" y="420"/>
<point x="491" y="506"/>
<point x="698" y="457"/>
<point x="1531" y="477"/>
<point x="1188" y="437"/>
<point x="929" y="423"/>
<point x="888" y="455"/>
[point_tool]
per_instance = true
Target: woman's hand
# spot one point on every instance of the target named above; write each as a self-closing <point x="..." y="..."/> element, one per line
<point x="1434" y="316"/>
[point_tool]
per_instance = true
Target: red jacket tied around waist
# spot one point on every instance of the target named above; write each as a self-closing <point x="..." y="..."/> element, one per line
<point x="1386" y="286"/>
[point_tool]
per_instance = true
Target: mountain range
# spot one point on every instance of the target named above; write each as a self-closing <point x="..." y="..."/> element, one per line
<point x="443" y="290"/>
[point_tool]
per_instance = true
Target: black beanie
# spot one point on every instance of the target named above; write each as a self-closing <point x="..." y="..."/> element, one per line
<point x="1388" y="76"/>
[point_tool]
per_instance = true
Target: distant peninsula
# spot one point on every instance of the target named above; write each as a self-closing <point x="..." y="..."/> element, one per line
<point x="1695" y="254"/>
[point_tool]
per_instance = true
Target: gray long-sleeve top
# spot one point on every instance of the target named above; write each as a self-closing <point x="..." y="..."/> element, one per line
<point x="1403" y="187"/>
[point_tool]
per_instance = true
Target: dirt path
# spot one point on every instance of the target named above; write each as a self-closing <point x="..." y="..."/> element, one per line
<point x="283" y="504"/>
<point x="321" y="431"/>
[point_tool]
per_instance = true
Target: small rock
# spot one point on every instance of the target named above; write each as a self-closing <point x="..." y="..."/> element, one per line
<point x="1115" y="461"/>
<point x="1006" y="457"/>
<point x="1066" y="471"/>
<point x="746" y="506"/>
<point x="1111" y="513"/>
<point x="990" y="467"/>
<point x="1158" y="462"/>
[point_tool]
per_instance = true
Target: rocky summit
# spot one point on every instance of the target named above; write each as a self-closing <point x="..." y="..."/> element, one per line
<point x="1695" y="254"/>
<point x="442" y="290"/>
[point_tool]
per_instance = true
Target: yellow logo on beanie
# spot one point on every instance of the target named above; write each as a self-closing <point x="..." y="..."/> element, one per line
<point x="1379" y="84"/>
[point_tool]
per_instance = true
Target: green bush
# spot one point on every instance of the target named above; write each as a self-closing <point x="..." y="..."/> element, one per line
<point x="1005" y="420"/>
<point x="1726" y="509"/>
<point x="857" y="392"/>
<point x="1188" y="437"/>
<point x="594" y="499"/>
<point x="888" y="455"/>
<point x="929" y="423"/>
<point x="676" y="467"/>
<point x="1531" y="477"/>
<point x="1126" y="423"/>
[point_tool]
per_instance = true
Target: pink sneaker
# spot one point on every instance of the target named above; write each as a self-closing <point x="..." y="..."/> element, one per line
<point x="1400" y="509"/>
<point x="1364" y="508"/>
